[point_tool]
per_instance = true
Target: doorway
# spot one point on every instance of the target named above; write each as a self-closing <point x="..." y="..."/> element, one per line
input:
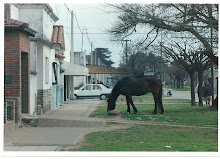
<point x="24" y="82"/>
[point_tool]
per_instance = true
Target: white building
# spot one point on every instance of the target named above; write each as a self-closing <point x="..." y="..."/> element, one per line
<point x="51" y="78"/>
<point x="46" y="84"/>
<point x="80" y="59"/>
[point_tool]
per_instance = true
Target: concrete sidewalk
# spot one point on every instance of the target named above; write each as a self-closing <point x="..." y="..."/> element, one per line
<point x="65" y="126"/>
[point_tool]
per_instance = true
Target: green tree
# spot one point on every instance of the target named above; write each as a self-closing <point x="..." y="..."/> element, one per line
<point x="104" y="55"/>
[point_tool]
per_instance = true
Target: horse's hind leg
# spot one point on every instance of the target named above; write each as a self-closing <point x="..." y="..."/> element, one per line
<point x="161" y="106"/>
<point x="156" y="102"/>
<point x="155" y="108"/>
<point x="129" y="100"/>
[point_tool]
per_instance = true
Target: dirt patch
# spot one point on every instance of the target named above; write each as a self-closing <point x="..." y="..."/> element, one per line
<point x="109" y="127"/>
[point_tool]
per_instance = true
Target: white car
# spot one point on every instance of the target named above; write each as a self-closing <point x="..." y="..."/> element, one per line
<point x="93" y="90"/>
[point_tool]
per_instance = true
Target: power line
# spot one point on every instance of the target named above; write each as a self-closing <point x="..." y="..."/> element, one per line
<point x="88" y="37"/>
<point x="67" y="8"/>
<point x="78" y="25"/>
<point x="75" y="18"/>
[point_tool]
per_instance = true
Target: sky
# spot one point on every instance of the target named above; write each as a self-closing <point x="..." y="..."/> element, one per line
<point x="93" y="20"/>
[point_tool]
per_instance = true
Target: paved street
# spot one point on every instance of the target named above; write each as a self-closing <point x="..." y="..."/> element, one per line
<point x="71" y="124"/>
<point x="182" y="94"/>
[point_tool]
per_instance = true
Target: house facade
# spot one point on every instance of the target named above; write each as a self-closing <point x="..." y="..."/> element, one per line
<point x="16" y="69"/>
<point x="38" y="76"/>
<point x="46" y="79"/>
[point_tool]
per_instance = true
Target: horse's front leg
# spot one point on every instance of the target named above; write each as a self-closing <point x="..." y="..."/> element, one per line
<point x="128" y="105"/>
<point x="129" y="100"/>
<point x="155" y="101"/>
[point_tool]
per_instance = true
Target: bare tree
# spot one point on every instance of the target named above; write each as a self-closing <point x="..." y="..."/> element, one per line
<point x="190" y="61"/>
<point x="196" y="19"/>
<point x="199" y="20"/>
<point x="178" y="75"/>
<point x="139" y="58"/>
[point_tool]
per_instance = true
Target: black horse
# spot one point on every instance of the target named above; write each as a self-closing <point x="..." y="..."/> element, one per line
<point x="136" y="87"/>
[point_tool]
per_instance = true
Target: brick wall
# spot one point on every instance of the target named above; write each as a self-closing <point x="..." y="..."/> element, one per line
<point x="15" y="43"/>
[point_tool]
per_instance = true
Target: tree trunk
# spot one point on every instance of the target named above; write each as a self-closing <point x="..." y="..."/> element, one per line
<point x="174" y="83"/>
<point x="215" y="103"/>
<point x="178" y="84"/>
<point x="182" y="84"/>
<point x="192" y="79"/>
<point x="200" y="89"/>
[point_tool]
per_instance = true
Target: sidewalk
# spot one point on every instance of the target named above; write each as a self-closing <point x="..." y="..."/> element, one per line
<point x="64" y="126"/>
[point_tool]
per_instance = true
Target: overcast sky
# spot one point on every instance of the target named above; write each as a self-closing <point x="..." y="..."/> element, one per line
<point x="96" y="18"/>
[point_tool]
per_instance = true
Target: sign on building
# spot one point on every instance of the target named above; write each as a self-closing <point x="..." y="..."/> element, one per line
<point x="148" y="71"/>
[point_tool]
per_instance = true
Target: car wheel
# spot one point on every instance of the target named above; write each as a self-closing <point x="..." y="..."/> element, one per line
<point x="103" y="97"/>
<point x="75" y="97"/>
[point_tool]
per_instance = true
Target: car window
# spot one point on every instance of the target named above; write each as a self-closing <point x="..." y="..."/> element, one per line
<point x="96" y="87"/>
<point x="88" y="87"/>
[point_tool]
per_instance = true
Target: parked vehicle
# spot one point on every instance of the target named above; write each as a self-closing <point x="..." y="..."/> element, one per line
<point x="93" y="90"/>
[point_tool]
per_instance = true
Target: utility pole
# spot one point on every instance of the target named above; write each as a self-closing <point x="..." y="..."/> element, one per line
<point x="72" y="51"/>
<point x="212" y="71"/>
<point x="82" y="46"/>
<point x="161" y="67"/>
<point x="95" y="58"/>
<point x="71" y="78"/>
<point x="82" y="40"/>
<point x="126" y="51"/>
<point x="91" y="55"/>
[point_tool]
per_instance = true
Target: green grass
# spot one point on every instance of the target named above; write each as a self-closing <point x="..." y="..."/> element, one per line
<point x="196" y="131"/>
<point x="152" y="138"/>
<point x="149" y="98"/>
<point x="174" y="114"/>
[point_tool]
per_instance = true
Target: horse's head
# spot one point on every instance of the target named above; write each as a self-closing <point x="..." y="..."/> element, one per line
<point x="111" y="104"/>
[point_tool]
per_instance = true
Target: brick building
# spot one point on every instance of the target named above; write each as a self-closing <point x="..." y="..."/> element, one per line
<point x="16" y="69"/>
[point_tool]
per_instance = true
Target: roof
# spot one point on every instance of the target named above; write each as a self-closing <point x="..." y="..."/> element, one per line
<point x="104" y="70"/>
<point x="58" y="36"/>
<point x="74" y="69"/>
<point x="12" y="24"/>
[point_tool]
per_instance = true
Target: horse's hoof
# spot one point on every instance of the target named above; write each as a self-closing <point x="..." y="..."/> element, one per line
<point x="126" y="113"/>
<point x="135" y="112"/>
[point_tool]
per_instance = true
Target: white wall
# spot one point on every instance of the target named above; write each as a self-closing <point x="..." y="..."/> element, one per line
<point x="34" y="17"/>
<point x="67" y="47"/>
<point x="33" y="78"/>
<point x="80" y="58"/>
<point x="14" y="12"/>
<point x="79" y="80"/>
<point x="50" y="53"/>
<point x="47" y="26"/>
<point x="39" y="65"/>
